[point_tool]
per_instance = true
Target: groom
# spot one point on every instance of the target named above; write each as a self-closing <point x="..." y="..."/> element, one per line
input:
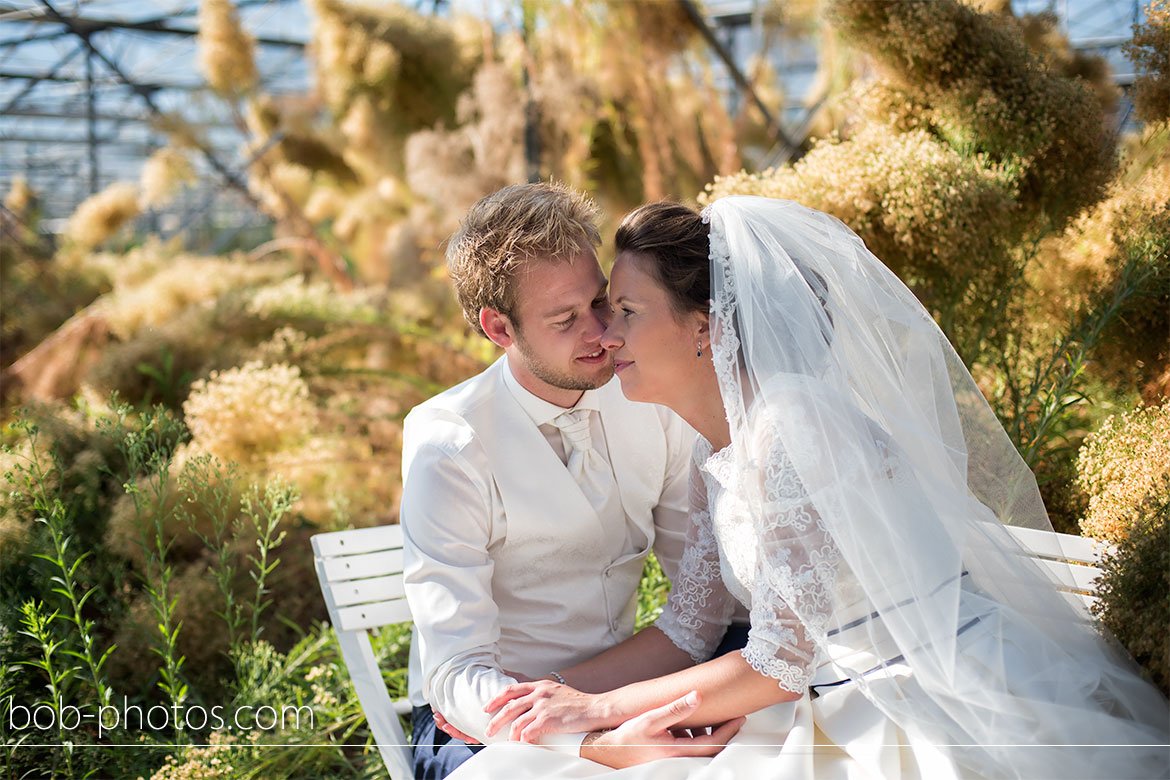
<point x="534" y="491"/>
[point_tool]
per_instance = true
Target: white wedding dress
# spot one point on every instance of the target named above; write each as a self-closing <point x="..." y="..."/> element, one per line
<point x="859" y="514"/>
<point x="834" y="730"/>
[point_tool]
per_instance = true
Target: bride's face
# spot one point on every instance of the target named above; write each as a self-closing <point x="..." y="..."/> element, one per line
<point x="653" y="346"/>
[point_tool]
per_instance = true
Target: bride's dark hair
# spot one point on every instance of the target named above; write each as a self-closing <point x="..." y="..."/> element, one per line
<point x="677" y="245"/>
<point x="677" y="242"/>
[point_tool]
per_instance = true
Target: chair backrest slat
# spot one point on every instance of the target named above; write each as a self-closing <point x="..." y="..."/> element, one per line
<point x="1071" y="562"/>
<point x="1046" y="544"/>
<point x="365" y="616"/>
<point x="358" y="540"/>
<point x="1071" y="576"/>
<point x="353" y="567"/>
<point x="373" y="589"/>
<point x="360" y="573"/>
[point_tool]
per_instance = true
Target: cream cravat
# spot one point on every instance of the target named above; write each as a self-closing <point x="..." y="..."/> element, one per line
<point x="586" y="464"/>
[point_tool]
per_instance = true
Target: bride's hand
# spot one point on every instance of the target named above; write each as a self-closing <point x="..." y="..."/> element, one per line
<point x="651" y="736"/>
<point x="544" y="707"/>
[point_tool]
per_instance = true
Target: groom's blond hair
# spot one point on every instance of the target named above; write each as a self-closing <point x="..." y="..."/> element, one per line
<point x="510" y="227"/>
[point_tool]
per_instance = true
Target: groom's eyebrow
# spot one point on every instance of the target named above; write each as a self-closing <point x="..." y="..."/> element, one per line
<point x="566" y="309"/>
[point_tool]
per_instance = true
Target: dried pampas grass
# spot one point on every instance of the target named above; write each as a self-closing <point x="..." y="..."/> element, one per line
<point x="20" y="196"/>
<point x="164" y="172"/>
<point x="225" y="50"/>
<point x="99" y="216"/>
<point x="180" y="133"/>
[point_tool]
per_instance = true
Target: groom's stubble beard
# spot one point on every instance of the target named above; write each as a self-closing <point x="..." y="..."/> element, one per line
<point x="562" y="379"/>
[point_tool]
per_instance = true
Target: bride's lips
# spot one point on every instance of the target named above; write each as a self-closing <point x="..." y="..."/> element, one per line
<point x="619" y="365"/>
<point x="596" y="358"/>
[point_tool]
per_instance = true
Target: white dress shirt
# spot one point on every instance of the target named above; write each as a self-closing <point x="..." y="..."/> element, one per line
<point x="507" y="565"/>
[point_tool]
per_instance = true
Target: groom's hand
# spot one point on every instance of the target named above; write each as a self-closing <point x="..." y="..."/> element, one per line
<point x="653" y="735"/>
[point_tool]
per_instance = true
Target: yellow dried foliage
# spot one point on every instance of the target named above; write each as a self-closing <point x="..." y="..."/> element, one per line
<point x="988" y="92"/>
<point x="1079" y="268"/>
<point x="226" y="55"/>
<point x="1041" y="32"/>
<point x="410" y="65"/>
<point x="183" y="281"/>
<point x="212" y="762"/>
<point x="324" y="203"/>
<point x="100" y="216"/>
<point x="164" y="172"/>
<point x="1124" y="467"/>
<point x="360" y="216"/>
<point x="665" y="27"/>
<point x="179" y="132"/>
<point x="247" y="413"/>
<point x="135" y="266"/>
<point x="19" y="196"/>
<point x="486" y="152"/>
<point x="369" y="148"/>
<point x="283" y="188"/>
<point x="917" y="203"/>
<point x="625" y="111"/>
<point x="1150" y="51"/>
<point x="294" y="298"/>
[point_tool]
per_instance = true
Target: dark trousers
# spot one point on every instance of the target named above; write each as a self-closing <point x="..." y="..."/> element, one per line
<point x="437" y="755"/>
<point x="735" y="639"/>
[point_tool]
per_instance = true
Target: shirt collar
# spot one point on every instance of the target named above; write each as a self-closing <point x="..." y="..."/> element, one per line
<point x="541" y="411"/>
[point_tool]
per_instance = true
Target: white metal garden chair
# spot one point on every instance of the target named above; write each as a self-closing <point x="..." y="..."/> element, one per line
<point x="360" y="572"/>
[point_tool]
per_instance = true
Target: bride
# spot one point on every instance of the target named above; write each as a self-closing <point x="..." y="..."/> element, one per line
<point x="851" y="488"/>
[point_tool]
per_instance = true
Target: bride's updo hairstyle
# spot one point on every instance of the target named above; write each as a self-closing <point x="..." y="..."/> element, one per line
<point x="675" y="246"/>
<point x="675" y="242"/>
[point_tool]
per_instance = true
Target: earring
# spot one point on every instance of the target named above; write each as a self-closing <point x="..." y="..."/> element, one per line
<point x="699" y="353"/>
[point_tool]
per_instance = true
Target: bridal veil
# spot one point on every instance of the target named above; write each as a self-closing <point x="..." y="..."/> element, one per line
<point x="905" y="468"/>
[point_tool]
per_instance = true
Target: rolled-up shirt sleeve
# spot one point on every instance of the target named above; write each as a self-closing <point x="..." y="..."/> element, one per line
<point x="447" y="520"/>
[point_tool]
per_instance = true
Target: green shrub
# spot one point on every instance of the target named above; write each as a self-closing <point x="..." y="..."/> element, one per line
<point x="1135" y="589"/>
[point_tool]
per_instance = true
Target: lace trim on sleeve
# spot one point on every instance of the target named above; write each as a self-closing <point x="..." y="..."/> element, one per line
<point x="793" y="596"/>
<point x="699" y="607"/>
<point x="698" y="590"/>
<point x="789" y="676"/>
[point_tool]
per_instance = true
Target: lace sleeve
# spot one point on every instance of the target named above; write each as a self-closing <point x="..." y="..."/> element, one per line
<point x="699" y="608"/>
<point x="796" y="572"/>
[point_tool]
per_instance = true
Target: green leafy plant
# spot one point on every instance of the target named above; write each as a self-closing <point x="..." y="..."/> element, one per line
<point x="149" y="450"/>
<point x="653" y="589"/>
<point x="211" y="486"/>
<point x="168" y="384"/>
<point x="43" y="488"/>
<point x="1133" y="589"/>
<point x="40" y="627"/>
<point x="265" y="510"/>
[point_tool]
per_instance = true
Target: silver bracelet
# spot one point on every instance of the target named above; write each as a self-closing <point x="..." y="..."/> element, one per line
<point x="557" y="676"/>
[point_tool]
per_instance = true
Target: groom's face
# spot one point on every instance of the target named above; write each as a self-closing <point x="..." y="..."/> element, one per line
<point x="559" y="318"/>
